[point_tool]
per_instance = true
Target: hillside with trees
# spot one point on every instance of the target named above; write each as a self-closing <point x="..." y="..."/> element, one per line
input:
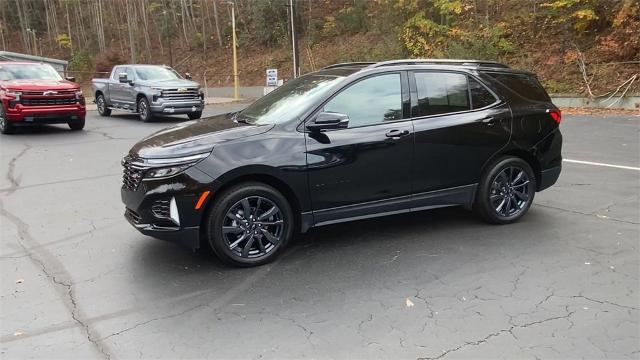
<point x="589" y="47"/>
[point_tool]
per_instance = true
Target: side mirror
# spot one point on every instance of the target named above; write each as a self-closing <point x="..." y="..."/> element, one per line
<point x="187" y="76"/>
<point x="327" y="121"/>
<point x="71" y="78"/>
<point x="122" y="77"/>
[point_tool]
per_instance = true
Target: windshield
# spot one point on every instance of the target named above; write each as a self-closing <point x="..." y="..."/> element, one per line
<point x="28" y="72"/>
<point x="156" y="73"/>
<point x="289" y="100"/>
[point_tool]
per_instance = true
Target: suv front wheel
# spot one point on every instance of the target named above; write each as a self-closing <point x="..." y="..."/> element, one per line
<point x="249" y="224"/>
<point x="506" y="191"/>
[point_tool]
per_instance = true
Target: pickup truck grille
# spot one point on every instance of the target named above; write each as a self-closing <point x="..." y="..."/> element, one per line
<point x="180" y="94"/>
<point x="132" y="173"/>
<point x="48" y="97"/>
<point x="48" y="101"/>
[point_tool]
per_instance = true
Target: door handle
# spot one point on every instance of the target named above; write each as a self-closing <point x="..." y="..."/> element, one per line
<point x="489" y="120"/>
<point x="397" y="133"/>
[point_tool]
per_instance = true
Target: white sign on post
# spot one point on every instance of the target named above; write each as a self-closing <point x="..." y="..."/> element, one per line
<point x="272" y="77"/>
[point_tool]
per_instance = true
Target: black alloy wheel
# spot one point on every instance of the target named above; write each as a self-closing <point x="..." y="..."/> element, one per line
<point x="250" y="224"/>
<point x="101" y="104"/>
<point x="144" y="112"/>
<point x="6" y="127"/>
<point x="506" y="191"/>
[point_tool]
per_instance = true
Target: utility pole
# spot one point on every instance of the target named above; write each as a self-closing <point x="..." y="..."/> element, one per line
<point x="294" y="40"/>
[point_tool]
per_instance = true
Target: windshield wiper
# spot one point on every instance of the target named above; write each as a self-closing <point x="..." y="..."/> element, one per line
<point x="238" y="119"/>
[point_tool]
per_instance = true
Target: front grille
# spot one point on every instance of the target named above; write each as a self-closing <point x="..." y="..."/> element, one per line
<point x="132" y="215"/>
<point x="160" y="209"/>
<point x="180" y="94"/>
<point x="132" y="173"/>
<point x="48" y="101"/>
<point x="55" y="92"/>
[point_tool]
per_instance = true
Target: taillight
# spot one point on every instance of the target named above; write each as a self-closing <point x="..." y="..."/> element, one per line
<point x="556" y="115"/>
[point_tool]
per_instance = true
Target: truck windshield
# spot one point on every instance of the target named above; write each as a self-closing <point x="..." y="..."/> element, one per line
<point x="156" y="73"/>
<point x="289" y="100"/>
<point x="28" y="72"/>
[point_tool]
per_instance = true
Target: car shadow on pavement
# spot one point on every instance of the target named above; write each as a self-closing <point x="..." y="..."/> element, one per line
<point x="435" y="241"/>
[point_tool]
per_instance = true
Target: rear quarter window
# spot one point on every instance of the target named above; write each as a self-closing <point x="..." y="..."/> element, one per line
<point x="524" y="85"/>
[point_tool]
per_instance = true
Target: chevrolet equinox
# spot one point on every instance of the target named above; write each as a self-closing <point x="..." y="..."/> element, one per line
<point x="350" y="141"/>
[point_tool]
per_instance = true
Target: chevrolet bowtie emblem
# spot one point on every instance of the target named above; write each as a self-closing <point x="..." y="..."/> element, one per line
<point x="46" y="93"/>
<point x="182" y="89"/>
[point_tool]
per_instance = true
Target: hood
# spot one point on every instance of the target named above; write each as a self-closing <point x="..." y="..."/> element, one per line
<point x="169" y="84"/>
<point x="39" y="85"/>
<point x="194" y="137"/>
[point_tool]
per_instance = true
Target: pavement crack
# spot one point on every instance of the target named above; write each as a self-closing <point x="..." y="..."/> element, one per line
<point x="47" y="262"/>
<point x="119" y="332"/>
<point x="587" y="214"/>
<point x="498" y="333"/>
<point x="297" y="324"/>
<point x="605" y="302"/>
<point x="15" y="183"/>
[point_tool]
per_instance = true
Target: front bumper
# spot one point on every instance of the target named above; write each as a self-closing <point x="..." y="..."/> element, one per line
<point x="144" y="213"/>
<point x="45" y="114"/>
<point x="163" y="106"/>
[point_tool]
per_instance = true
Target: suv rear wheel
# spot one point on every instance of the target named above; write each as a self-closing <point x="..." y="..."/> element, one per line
<point x="249" y="224"/>
<point x="6" y="127"/>
<point x="506" y="191"/>
<point x="144" y="112"/>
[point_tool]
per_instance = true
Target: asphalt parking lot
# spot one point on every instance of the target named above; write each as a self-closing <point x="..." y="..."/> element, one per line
<point x="80" y="282"/>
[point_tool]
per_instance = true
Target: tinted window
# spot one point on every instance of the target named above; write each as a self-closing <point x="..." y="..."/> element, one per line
<point x="524" y="85"/>
<point x="480" y="96"/>
<point x="441" y="93"/>
<point x="370" y="101"/>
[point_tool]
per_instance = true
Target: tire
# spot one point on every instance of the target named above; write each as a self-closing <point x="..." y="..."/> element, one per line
<point x="101" y="104"/>
<point x="270" y="234"/>
<point x="195" y="115"/>
<point x="6" y="127"/>
<point x="144" y="112"/>
<point x="506" y="191"/>
<point x="77" y="125"/>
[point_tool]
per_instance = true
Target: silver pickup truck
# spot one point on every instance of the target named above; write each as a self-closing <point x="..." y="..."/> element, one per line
<point x="148" y="90"/>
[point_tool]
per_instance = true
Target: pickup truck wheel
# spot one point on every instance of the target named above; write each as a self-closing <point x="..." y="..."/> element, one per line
<point x="195" y="115"/>
<point x="76" y="125"/>
<point x="6" y="127"/>
<point x="144" y="113"/>
<point x="101" y="103"/>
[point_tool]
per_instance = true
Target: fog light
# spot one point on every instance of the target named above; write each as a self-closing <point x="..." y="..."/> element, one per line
<point x="173" y="211"/>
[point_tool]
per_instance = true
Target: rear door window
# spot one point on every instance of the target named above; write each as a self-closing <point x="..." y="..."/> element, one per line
<point x="441" y="93"/>
<point x="480" y="96"/>
<point x="524" y="85"/>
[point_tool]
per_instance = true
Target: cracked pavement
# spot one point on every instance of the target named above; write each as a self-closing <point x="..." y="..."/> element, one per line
<point x="78" y="281"/>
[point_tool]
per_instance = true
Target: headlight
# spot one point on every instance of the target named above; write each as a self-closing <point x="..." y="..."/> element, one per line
<point x="166" y="167"/>
<point x="78" y="94"/>
<point x="14" y="94"/>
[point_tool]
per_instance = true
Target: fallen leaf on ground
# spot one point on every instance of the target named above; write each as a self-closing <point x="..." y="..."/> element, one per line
<point x="18" y="333"/>
<point x="409" y="303"/>
<point x="19" y="281"/>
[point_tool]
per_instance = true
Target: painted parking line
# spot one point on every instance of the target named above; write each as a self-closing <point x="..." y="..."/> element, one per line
<point x="602" y="164"/>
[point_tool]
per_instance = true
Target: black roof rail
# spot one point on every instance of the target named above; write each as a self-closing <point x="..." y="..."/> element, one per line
<point x="476" y="63"/>
<point x="346" y="64"/>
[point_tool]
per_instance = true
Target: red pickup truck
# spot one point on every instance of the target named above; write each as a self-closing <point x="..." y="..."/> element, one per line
<point x="34" y="93"/>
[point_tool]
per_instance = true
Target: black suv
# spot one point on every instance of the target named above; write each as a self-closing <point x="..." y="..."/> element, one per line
<point x="348" y="142"/>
